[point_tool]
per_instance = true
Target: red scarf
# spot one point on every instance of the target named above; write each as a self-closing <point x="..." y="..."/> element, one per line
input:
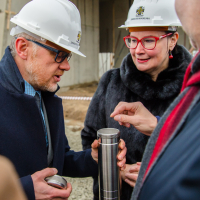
<point x="175" y="116"/>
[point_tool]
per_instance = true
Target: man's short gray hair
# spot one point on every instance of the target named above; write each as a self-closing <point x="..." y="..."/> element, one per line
<point x="24" y="35"/>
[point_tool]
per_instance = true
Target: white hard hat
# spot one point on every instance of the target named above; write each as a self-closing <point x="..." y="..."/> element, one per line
<point x="55" y="20"/>
<point x="152" y="13"/>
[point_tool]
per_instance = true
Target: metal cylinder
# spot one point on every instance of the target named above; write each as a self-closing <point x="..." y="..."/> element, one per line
<point x="109" y="184"/>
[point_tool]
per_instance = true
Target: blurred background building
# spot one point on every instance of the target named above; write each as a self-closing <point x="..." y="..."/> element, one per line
<point x="102" y="40"/>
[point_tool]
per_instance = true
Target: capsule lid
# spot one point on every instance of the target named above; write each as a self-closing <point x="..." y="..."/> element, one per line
<point x="56" y="181"/>
<point x="108" y="133"/>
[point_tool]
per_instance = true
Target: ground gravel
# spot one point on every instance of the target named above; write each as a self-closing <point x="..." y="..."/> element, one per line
<point x="81" y="187"/>
<point x="74" y="115"/>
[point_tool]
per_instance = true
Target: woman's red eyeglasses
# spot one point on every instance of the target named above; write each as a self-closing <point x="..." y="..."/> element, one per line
<point x="148" y="42"/>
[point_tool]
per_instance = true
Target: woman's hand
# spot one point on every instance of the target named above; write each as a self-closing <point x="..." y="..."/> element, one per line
<point x="130" y="174"/>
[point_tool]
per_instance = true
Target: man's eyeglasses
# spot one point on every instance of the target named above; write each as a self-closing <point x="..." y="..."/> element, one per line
<point x="148" y="43"/>
<point x="60" y="55"/>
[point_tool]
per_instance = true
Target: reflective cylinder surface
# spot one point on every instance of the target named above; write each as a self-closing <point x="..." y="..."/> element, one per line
<point x="109" y="185"/>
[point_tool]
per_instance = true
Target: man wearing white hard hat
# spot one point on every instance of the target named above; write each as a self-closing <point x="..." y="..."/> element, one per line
<point x="152" y="73"/>
<point x="32" y="125"/>
<point x="171" y="162"/>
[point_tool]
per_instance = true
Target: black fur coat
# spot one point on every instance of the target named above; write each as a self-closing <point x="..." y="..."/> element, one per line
<point x="129" y="84"/>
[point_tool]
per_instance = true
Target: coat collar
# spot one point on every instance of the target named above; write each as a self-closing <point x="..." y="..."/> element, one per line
<point x="11" y="79"/>
<point x="192" y="74"/>
<point x="10" y="76"/>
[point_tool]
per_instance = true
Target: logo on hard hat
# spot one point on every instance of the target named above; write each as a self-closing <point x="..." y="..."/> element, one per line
<point x="79" y="37"/>
<point x="140" y="11"/>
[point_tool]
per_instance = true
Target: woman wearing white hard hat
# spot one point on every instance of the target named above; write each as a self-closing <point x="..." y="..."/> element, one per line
<point x="151" y="73"/>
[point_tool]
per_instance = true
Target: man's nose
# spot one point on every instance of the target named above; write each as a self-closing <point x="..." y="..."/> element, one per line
<point x="65" y="65"/>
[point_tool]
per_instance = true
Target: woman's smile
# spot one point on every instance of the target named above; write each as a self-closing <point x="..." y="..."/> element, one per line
<point x="142" y="60"/>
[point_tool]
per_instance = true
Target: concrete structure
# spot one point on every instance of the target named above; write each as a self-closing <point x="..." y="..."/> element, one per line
<point x="82" y="69"/>
<point x="100" y="34"/>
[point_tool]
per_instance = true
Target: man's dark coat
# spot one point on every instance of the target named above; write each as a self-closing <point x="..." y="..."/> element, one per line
<point x="22" y="138"/>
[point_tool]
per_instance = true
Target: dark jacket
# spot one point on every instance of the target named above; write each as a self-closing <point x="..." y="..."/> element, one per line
<point x="175" y="174"/>
<point x="129" y="84"/>
<point x="22" y="137"/>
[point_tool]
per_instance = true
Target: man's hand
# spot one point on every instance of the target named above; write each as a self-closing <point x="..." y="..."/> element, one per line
<point x="45" y="192"/>
<point x="135" y="114"/>
<point x="130" y="174"/>
<point x="95" y="145"/>
<point x="121" y="157"/>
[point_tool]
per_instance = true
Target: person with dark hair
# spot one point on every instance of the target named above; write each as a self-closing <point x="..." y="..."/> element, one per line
<point x="151" y="73"/>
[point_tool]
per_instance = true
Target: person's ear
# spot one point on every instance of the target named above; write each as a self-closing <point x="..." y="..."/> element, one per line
<point x="21" y="45"/>
<point x="173" y="40"/>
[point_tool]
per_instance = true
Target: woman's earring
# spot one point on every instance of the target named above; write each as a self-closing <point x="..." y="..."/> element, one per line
<point x="170" y="54"/>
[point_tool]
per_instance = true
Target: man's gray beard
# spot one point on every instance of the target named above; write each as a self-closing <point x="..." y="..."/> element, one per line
<point x="34" y="79"/>
<point x="46" y="88"/>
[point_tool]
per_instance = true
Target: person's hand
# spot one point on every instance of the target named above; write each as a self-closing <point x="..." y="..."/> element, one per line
<point x="130" y="174"/>
<point x="95" y="145"/>
<point x="43" y="191"/>
<point x="121" y="156"/>
<point x="135" y="114"/>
